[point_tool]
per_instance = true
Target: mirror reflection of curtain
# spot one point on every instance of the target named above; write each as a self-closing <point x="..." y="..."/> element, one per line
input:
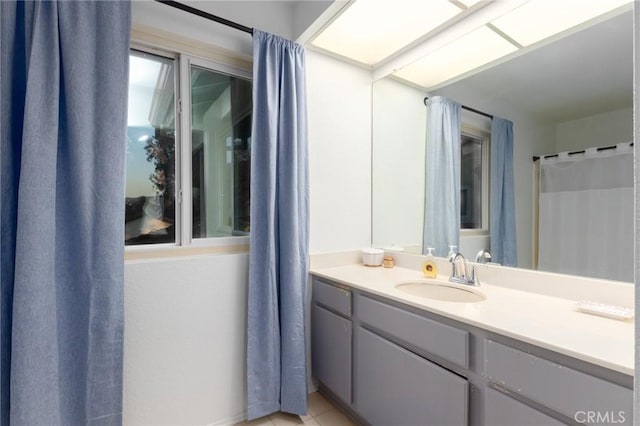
<point x="502" y="216"/>
<point x="442" y="184"/>
<point x="586" y="214"/>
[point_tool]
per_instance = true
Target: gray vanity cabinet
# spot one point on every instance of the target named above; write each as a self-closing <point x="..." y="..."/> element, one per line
<point x="388" y="363"/>
<point x="331" y="339"/>
<point x="397" y="387"/>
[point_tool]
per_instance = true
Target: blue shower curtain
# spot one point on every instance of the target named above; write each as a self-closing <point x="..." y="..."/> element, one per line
<point x="278" y="265"/>
<point x="502" y="215"/>
<point x="442" y="185"/>
<point x="63" y="97"/>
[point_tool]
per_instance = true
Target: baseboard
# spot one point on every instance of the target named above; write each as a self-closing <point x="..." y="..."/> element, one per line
<point x="238" y="418"/>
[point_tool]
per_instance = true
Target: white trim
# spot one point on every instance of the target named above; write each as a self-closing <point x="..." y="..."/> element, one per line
<point x="535" y="202"/>
<point x="151" y="247"/>
<point x="164" y="53"/>
<point x="152" y="251"/>
<point x="184" y="168"/>
<point x="221" y="68"/>
<point x="237" y="419"/>
<point x="331" y="13"/>
<point x="164" y="40"/>
<point x="220" y="241"/>
<point x="636" y="231"/>
<point x="468" y="232"/>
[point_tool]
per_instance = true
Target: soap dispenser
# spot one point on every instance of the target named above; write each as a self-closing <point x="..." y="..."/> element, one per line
<point x="452" y="252"/>
<point x="429" y="268"/>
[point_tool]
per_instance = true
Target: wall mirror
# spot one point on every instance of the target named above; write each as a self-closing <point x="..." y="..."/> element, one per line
<point x="569" y="94"/>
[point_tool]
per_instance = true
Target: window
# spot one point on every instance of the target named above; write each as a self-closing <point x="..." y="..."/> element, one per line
<point x="151" y="142"/>
<point x="474" y="180"/>
<point x="221" y="142"/>
<point x="184" y="145"/>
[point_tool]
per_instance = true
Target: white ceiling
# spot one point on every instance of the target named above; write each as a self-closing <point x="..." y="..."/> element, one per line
<point x="583" y="74"/>
<point x="286" y="18"/>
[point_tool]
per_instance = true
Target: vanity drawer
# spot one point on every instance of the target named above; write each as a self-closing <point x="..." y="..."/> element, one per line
<point x="441" y="340"/>
<point x="501" y="410"/>
<point x="332" y="297"/>
<point x="564" y="390"/>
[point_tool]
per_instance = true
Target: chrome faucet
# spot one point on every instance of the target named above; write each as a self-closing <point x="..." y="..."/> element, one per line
<point x="483" y="256"/>
<point x="462" y="277"/>
<point x="458" y="276"/>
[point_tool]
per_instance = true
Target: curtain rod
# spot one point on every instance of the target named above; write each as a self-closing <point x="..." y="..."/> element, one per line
<point x="206" y="15"/>
<point x="489" y="116"/>
<point x="604" y="148"/>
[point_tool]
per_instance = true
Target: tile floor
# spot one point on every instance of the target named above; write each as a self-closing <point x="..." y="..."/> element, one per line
<point x="320" y="412"/>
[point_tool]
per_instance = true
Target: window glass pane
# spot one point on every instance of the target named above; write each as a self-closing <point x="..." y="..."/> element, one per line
<point x="150" y="162"/>
<point x="221" y="145"/>
<point x="471" y="183"/>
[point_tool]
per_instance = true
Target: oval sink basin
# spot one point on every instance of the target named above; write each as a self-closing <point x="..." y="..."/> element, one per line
<point x="441" y="291"/>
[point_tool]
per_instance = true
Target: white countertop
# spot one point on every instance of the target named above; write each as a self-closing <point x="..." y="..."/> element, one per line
<point x="541" y="320"/>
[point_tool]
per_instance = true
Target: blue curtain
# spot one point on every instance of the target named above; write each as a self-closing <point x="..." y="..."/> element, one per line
<point x="442" y="185"/>
<point x="63" y="97"/>
<point x="502" y="215"/>
<point x="278" y="265"/>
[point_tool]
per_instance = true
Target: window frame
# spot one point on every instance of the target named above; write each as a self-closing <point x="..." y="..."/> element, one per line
<point x="485" y="136"/>
<point x="187" y="61"/>
<point x="183" y="140"/>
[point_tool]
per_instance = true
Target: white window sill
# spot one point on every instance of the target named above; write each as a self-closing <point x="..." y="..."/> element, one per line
<point x="199" y="247"/>
<point x="474" y="233"/>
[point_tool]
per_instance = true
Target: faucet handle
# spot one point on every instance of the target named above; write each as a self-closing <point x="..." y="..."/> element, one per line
<point x="483" y="256"/>
<point x="473" y="279"/>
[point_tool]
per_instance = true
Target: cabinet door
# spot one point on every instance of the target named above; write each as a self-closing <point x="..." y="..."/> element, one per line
<point x="501" y="410"/>
<point x="396" y="387"/>
<point x="331" y="352"/>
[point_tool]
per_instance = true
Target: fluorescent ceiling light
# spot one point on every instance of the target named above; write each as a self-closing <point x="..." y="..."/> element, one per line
<point x="471" y="51"/>
<point x="539" y="19"/>
<point x="370" y="30"/>
<point x="430" y="43"/>
<point x="398" y="35"/>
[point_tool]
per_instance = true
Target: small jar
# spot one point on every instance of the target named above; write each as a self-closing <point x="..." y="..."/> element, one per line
<point x="388" y="262"/>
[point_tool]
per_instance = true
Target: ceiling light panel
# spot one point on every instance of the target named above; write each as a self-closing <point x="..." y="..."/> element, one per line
<point x="539" y="19"/>
<point x="371" y="30"/>
<point x="477" y="48"/>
